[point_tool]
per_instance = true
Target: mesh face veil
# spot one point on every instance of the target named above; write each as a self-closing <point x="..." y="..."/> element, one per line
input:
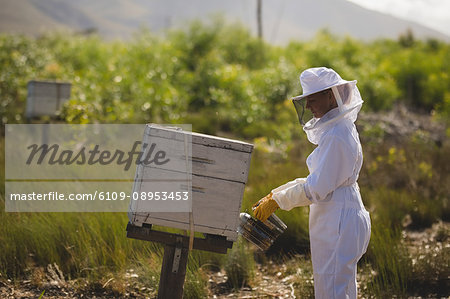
<point x="299" y="105"/>
<point x="304" y="115"/>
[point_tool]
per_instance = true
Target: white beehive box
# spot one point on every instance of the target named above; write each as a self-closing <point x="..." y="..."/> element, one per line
<point x="46" y="98"/>
<point x="219" y="173"/>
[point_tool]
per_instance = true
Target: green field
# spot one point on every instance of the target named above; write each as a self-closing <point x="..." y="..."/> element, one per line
<point x="225" y="82"/>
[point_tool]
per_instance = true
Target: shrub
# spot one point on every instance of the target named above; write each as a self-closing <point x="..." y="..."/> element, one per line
<point x="239" y="265"/>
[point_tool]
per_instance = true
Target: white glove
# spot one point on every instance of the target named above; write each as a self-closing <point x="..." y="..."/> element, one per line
<point x="291" y="194"/>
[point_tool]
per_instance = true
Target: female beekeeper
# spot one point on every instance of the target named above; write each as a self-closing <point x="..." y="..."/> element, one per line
<point x="339" y="225"/>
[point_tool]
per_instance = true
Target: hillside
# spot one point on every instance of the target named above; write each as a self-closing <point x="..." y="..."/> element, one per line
<point x="282" y="20"/>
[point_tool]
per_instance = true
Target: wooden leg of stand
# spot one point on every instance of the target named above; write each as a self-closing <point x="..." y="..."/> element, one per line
<point x="173" y="272"/>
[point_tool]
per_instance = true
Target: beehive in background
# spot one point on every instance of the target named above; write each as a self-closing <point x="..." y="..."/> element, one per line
<point x="46" y="98"/>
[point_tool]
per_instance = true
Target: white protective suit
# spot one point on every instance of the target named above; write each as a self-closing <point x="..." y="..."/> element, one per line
<point x="339" y="225"/>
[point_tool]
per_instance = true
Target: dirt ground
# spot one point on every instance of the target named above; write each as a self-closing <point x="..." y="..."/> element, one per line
<point x="275" y="286"/>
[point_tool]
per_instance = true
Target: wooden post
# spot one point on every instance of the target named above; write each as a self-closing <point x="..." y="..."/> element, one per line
<point x="259" y="18"/>
<point x="173" y="272"/>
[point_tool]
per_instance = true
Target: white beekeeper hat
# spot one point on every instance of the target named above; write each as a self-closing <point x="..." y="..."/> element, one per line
<point x="346" y="93"/>
<point x="316" y="79"/>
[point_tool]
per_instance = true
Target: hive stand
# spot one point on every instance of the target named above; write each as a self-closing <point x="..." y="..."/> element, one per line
<point x="176" y="251"/>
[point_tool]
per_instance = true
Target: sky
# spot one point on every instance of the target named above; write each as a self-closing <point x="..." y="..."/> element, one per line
<point x="434" y="14"/>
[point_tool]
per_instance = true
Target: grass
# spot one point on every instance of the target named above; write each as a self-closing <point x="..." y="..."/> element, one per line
<point x="301" y="268"/>
<point x="239" y="265"/>
<point x="403" y="185"/>
<point x="389" y="261"/>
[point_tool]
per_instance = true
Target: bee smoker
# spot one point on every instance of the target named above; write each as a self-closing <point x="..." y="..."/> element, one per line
<point x="262" y="234"/>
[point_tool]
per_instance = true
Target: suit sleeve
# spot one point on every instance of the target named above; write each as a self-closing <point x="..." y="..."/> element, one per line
<point x="291" y="194"/>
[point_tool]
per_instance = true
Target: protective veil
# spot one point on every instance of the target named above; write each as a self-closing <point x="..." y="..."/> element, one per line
<point x="339" y="225"/>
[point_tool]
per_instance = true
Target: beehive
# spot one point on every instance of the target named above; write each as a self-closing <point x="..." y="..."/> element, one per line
<point x="219" y="173"/>
<point x="46" y="98"/>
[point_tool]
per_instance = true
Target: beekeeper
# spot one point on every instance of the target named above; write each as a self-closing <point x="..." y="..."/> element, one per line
<point x="339" y="225"/>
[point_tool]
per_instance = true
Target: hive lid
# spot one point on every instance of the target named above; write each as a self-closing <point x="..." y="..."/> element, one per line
<point x="197" y="138"/>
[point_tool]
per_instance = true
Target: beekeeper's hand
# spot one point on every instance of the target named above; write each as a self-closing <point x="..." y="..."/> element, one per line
<point x="265" y="207"/>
